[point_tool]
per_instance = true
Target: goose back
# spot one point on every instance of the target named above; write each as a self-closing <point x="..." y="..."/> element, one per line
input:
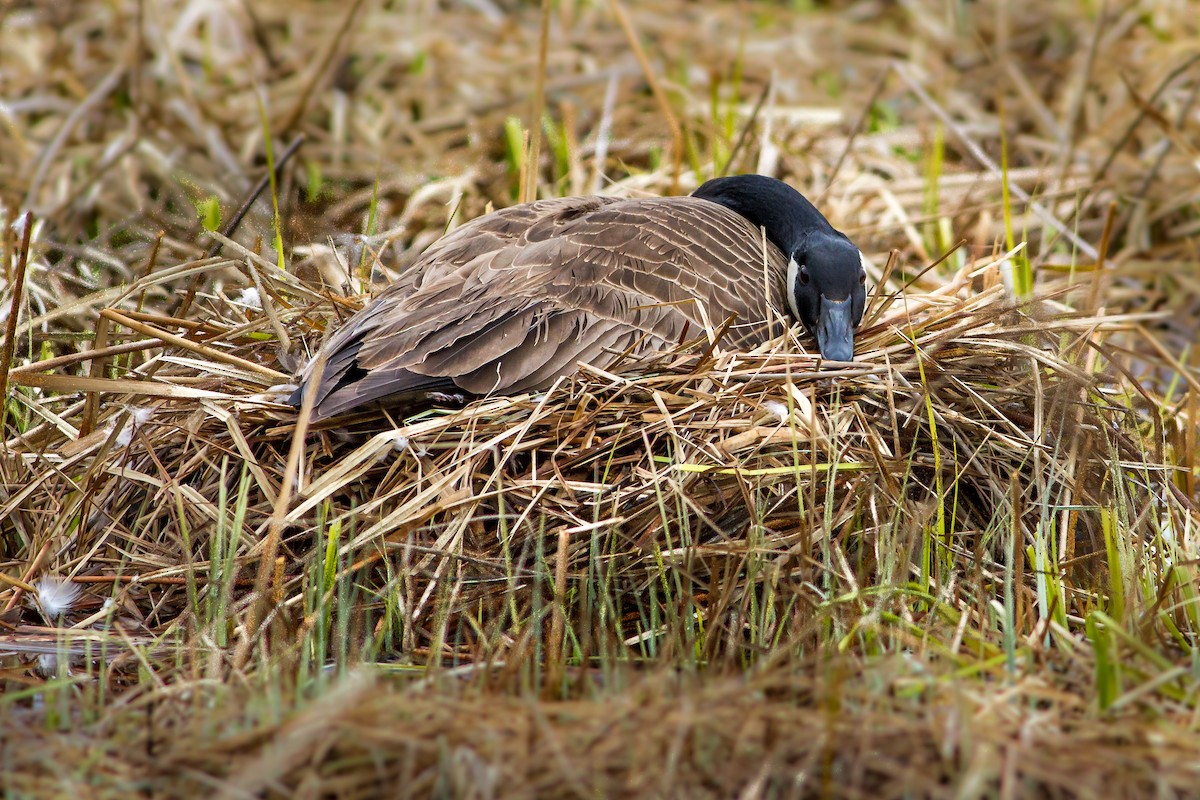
<point x="514" y="299"/>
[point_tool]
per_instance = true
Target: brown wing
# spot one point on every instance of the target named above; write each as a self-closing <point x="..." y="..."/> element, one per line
<point x="517" y="298"/>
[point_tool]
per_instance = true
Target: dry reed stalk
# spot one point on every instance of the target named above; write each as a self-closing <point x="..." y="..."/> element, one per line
<point x="967" y="362"/>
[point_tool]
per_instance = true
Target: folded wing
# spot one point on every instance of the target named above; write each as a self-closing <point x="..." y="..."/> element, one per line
<point x="514" y="299"/>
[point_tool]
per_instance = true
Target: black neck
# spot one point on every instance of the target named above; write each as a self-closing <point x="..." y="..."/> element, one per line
<point x="779" y="209"/>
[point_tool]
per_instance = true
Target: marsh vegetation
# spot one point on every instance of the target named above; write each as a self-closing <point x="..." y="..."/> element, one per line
<point x="965" y="566"/>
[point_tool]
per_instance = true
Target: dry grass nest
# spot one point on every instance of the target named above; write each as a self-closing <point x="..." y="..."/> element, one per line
<point x="740" y="474"/>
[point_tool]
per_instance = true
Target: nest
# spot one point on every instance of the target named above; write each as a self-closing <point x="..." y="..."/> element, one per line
<point x="744" y="478"/>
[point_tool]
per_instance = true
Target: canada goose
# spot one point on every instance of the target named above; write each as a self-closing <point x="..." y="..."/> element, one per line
<point x="514" y="299"/>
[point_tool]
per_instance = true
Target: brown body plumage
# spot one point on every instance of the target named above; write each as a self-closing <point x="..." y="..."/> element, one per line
<point x="512" y="300"/>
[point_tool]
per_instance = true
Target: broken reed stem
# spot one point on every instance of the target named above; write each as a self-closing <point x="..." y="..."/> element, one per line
<point x="556" y="645"/>
<point x="980" y="155"/>
<point x="91" y="407"/>
<point x="151" y="263"/>
<point x="660" y="96"/>
<point x="187" y="344"/>
<point x="165" y="580"/>
<point x="1079" y="96"/>
<point x="1144" y="111"/>
<point x="14" y="313"/>
<point x="230" y="227"/>
<point x="321" y="69"/>
<point x="34" y="566"/>
<point x="23" y="587"/>
<point x="269" y="571"/>
<point x="17" y="583"/>
<point x="530" y="184"/>
<point x="855" y="130"/>
<point x="215" y="248"/>
<point x="1098" y="274"/>
<point x="746" y="129"/>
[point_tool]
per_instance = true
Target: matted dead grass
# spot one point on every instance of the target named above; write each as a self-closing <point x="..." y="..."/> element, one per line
<point x="664" y="737"/>
<point x="967" y="565"/>
<point x="701" y="458"/>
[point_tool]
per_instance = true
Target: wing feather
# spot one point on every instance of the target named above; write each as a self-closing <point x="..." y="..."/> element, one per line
<point x="517" y="298"/>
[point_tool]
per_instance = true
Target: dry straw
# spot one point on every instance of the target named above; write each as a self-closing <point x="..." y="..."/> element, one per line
<point x="965" y="412"/>
<point x="964" y="566"/>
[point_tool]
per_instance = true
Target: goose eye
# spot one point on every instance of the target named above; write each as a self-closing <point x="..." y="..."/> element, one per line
<point x="862" y="278"/>
<point x="804" y="275"/>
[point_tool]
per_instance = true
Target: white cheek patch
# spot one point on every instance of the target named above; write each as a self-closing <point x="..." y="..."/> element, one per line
<point x="793" y="277"/>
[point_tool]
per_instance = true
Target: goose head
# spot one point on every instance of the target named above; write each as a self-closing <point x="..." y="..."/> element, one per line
<point x="826" y="280"/>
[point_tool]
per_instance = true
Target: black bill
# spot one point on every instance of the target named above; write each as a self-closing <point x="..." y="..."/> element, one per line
<point x="835" y="330"/>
